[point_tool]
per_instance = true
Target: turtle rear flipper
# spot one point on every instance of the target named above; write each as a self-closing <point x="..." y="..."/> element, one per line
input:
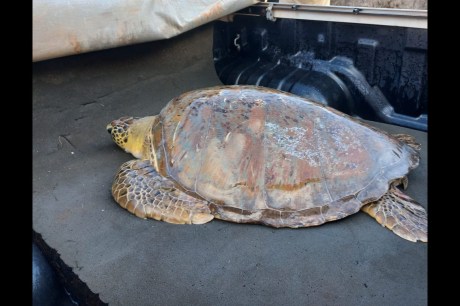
<point x="142" y="191"/>
<point x="401" y="214"/>
<point x="409" y="140"/>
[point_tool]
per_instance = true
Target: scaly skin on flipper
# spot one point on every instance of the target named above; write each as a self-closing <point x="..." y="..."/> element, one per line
<point x="401" y="214"/>
<point x="139" y="189"/>
<point x="409" y="140"/>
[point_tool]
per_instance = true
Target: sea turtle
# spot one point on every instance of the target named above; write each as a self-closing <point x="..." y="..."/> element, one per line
<point x="250" y="154"/>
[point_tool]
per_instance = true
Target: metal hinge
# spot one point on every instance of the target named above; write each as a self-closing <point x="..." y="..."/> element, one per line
<point x="269" y="13"/>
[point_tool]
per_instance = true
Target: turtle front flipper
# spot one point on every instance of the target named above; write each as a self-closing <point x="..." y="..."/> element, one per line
<point x="142" y="191"/>
<point x="401" y="214"/>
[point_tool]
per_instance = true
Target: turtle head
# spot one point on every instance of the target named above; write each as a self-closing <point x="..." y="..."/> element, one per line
<point x="129" y="133"/>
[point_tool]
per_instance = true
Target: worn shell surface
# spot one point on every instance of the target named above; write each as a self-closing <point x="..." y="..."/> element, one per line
<point x="261" y="155"/>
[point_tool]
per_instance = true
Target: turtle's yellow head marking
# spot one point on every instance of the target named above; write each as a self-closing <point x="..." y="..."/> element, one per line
<point x="129" y="133"/>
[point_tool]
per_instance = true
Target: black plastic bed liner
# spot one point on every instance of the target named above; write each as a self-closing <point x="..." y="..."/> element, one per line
<point x="129" y="261"/>
<point x="374" y="72"/>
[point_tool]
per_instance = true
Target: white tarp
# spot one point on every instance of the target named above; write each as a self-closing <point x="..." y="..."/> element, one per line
<point x="75" y="26"/>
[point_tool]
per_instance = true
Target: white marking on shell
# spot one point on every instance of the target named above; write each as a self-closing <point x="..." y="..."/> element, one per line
<point x="342" y="141"/>
<point x="226" y="137"/>
<point x="175" y="132"/>
<point x="290" y="138"/>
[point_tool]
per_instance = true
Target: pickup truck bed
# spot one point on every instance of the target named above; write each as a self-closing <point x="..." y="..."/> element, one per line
<point x="130" y="261"/>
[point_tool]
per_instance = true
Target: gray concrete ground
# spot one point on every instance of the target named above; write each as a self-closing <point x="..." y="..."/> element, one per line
<point x="130" y="261"/>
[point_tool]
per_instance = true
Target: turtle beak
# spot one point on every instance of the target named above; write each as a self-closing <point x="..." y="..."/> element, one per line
<point x="109" y="128"/>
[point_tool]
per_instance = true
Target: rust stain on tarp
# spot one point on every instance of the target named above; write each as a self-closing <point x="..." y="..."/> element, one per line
<point x="215" y="11"/>
<point x="76" y="46"/>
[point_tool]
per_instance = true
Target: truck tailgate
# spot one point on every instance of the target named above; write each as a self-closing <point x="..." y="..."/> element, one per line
<point x="130" y="261"/>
